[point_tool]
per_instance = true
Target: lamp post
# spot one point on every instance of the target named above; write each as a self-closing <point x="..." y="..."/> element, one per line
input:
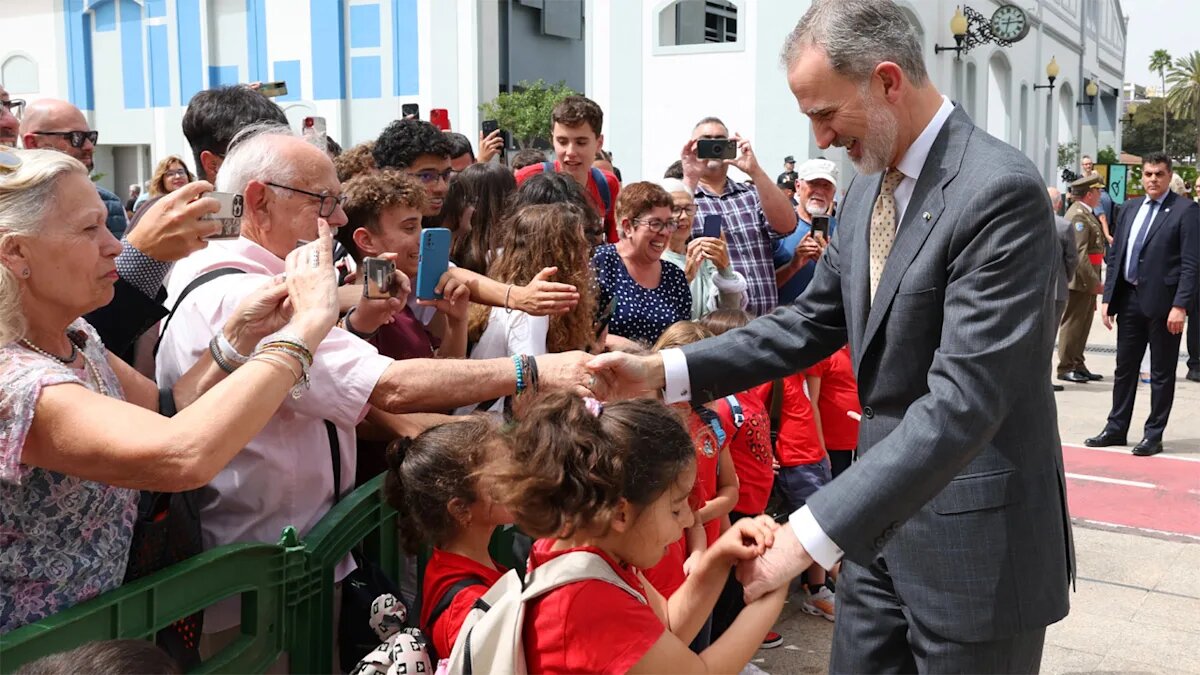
<point x="1130" y="109"/>
<point x="1090" y="91"/>
<point x="958" y="28"/>
<point x="1051" y="75"/>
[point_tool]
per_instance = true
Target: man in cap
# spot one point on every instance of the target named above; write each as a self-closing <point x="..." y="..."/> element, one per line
<point x="1085" y="283"/>
<point x="789" y="171"/>
<point x="816" y="186"/>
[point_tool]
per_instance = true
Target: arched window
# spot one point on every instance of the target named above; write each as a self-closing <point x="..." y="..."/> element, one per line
<point x="999" y="93"/>
<point x="19" y="75"/>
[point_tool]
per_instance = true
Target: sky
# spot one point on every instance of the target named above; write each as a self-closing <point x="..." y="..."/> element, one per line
<point x="1158" y="24"/>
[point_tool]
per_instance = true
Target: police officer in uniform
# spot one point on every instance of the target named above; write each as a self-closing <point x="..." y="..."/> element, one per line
<point x="1085" y="283"/>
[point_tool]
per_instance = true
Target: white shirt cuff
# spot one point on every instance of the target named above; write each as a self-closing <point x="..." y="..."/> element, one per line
<point x="675" y="370"/>
<point x="818" y="544"/>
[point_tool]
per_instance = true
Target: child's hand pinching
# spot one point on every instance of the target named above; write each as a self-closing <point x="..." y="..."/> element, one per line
<point x="747" y="539"/>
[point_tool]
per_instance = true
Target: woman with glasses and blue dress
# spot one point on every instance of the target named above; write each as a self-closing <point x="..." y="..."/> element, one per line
<point x="650" y="295"/>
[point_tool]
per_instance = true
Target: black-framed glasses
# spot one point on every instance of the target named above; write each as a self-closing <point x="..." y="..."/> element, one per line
<point x="329" y="203"/>
<point x="15" y="106"/>
<point x="75" y="138"/>
<point x="429" y="177"/>
<point x="659" y="225"/>
<point x="677" y="211"/>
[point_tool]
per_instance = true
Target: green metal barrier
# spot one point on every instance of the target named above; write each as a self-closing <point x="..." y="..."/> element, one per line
<point x="286" y="589"/>
<point x="258" y="572"/>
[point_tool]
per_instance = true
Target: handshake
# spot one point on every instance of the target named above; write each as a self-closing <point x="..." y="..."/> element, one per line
<point x="767" y="555"/>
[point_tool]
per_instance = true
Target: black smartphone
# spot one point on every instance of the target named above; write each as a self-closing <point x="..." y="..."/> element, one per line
<point x="410" y="110"/>
<point x="716" y="148"/>
<point x="713" y="222"/>
<point x="378" y="278"/>
<point x="605" y="317"/>
<point x="489" y="126"/>
<point x="820" y="224"/>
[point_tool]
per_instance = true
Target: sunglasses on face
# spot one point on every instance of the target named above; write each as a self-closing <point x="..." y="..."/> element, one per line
<point x="15" y="106"/>
<point x="75" y="138"/>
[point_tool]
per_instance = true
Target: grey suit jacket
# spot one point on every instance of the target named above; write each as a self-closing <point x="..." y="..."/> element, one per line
<point x="960" y="485"/>
<point x="1070" y="257"/>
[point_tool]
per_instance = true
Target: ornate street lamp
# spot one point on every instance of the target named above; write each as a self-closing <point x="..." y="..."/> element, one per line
<point x="1051" y="75"/>
<point x="1090" y="91"/>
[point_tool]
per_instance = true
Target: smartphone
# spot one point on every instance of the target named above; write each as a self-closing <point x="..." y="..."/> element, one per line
<point x="489" y="126"/>
<point x="379" y="278"/>
<point x="820" y="225"/>
<point x="440" y="118"/>
<point x="716" y="148"/>
<point x="314" y="132"/>
<point x="410" y="110"/>
<point x="273" y="89"/>
<point x="605" y="317"/>
<point x="713" y="222"/>
<point x="432" y="262"/>
<point x="230" y="214"/>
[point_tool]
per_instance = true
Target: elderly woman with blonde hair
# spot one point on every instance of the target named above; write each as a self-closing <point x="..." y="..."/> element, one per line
<point x="80" y="431"/>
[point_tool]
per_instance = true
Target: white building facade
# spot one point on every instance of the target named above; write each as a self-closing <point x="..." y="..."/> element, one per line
<point x="655" y="66"/>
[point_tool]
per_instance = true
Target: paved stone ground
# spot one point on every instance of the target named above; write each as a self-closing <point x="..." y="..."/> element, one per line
<point x="1136" y="608"/>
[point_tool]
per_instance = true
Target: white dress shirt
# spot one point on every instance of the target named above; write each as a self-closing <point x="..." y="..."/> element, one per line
<point x="284" y="476"/>
<point x="1139" y="223"/>
<point x="678" y="387"/>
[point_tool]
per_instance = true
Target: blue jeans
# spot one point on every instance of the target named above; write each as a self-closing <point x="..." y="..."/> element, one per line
<point x="801" y="481"/>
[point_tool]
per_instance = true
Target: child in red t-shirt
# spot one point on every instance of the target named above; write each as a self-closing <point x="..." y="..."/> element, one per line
<point x="614" y="481"/>
<point x="433" y="481"/>
<point x="836" y="392"/>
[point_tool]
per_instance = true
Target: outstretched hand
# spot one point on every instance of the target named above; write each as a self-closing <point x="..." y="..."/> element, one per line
<point x="624" y="375"/>
<point x="781" y="563"/>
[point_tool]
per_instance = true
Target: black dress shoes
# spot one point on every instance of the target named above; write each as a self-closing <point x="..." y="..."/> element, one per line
<point x="1194" y="374"/>
<point x="1074" y="376"/>
<point x="1057" y="387"/>
<point x="1147" y="447"/>
<point x="1092" y="377"/>
<point x="1106" y="438"/>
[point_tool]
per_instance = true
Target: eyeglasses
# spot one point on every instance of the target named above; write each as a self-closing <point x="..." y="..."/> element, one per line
<point x="176" y="173"/>
<point x="681" y="210"/>
<point x="76" y="138"/>
<point x="659" y="225"/>
<point x="428" y="177"/>
<point x="329" y="203"/>
<point x="15" y="106"/>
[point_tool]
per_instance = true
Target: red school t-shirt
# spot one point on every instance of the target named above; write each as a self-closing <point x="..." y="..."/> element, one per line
<point x="750" y="448"/>
<point x="667" y="576"/>
<point x="443" y="571"/>
<point x="708" y="457"/>
<point x="588" y="626"/>
<point x="593" y="192"/>
<point x="839" y="393"/>
<point x="798" y="442"/>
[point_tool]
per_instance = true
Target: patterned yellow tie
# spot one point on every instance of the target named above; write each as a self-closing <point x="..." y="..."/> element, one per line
<point x="883" y="226"/>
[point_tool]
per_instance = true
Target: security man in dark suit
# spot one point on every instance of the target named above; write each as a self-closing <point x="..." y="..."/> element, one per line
<point x="1085" y="283"/>
<point x="1152" y="281"/>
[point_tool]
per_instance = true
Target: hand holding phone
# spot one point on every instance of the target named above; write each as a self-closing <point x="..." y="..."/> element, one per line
<point x="410" y="111"/>
<point x="230" y="214"/>
<point x="716" y="148"/>
<point x="433" y="262"/>
<point x="820" y="227"/>
<point x="713" y="223"/>
<point x="492" y="141"/>
<point x="379" y="279"/>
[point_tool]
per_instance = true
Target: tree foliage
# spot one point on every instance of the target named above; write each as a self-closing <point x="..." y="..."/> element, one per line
<point x="1143" y="135"/>
<point x="1067" y="153"/>
<point x="1106" y="156"/>
<point x="1160" y="60"/>
<point x="525" y="112"/>
<point x="1183" y="98"/>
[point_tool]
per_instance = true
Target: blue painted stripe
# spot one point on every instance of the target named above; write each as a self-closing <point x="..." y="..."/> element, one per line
<point x="364" y="26"/>
<point x="156" y="8"/>
<point x="328" y="49"/>
<point x="78" y="30"/>
<point x="222" y="75"/>
<point x="256" y="38"/>
<point x="105" y="17"/>
<point x="405" y="77"/>
<point x="191" y="64"/>
<point x="133" y="70"/>
<point x="366" y="77"/>
<point x="288" y="71"/>
<point x="160" y="66"/>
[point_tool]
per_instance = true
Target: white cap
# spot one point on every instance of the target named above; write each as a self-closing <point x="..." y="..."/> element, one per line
<point x="818" y="168"/>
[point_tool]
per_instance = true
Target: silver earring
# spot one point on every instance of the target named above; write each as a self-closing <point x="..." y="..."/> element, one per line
<point x="25" y="273"/>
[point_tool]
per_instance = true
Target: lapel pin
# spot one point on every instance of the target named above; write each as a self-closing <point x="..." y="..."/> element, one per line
<point x="926" y="215"/>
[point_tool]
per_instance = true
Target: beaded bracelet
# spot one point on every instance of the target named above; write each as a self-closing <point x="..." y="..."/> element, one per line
<point x="520" y="373"/>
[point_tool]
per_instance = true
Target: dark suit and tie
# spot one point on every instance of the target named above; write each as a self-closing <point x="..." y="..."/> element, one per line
<point x="1152" y="270"/>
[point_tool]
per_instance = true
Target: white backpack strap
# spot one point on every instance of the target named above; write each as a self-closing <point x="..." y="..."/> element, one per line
<point x="570" y="568"/>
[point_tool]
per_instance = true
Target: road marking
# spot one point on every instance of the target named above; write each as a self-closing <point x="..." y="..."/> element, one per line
<point x="1146" y="530"/>
<point x="1114" y="481"/>
<point x="1127" y="453"/>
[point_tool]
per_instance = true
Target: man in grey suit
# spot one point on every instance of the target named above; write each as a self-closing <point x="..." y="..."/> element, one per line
<point x="1070" y="259"/>
<point x="952" y="527"/>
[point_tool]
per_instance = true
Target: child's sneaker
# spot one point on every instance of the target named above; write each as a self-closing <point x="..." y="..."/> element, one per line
<point x="772" y="640"/>
<point x="820" y="603"/>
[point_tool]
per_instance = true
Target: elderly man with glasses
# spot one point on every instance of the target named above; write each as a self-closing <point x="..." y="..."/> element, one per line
<point x="10" y="118"/>
<point x="58" y="125"/>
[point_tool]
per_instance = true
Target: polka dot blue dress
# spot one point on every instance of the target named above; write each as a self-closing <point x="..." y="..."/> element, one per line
<point x="642" y="313"/>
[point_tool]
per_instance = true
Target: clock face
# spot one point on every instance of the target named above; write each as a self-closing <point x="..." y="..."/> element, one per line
<point x="1010" y="22"/>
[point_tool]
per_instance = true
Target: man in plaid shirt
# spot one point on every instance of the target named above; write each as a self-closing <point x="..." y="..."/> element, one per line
<point x="755" y="216"/>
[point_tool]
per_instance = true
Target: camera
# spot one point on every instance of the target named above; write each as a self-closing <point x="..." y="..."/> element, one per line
<point x="379" y="278"/>
<point x="716" y="148"/>
<point x="230" y="214"/>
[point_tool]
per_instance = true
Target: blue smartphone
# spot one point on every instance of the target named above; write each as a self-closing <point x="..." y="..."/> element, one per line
<point x="433" y="261"/>
<point x="713" y="223"/>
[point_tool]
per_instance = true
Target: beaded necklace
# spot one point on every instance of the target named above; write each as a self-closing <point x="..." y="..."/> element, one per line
<point x="75" y="351"/>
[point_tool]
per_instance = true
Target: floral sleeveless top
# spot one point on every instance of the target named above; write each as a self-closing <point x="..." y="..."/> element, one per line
<point x="63" y="539"/>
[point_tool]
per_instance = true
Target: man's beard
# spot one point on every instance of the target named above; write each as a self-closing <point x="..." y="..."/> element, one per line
<point x="879" y="142"/>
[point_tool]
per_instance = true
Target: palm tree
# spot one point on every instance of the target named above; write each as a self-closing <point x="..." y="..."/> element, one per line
<point x="1160" y="60"/>
<point x="1184" y="96"/>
